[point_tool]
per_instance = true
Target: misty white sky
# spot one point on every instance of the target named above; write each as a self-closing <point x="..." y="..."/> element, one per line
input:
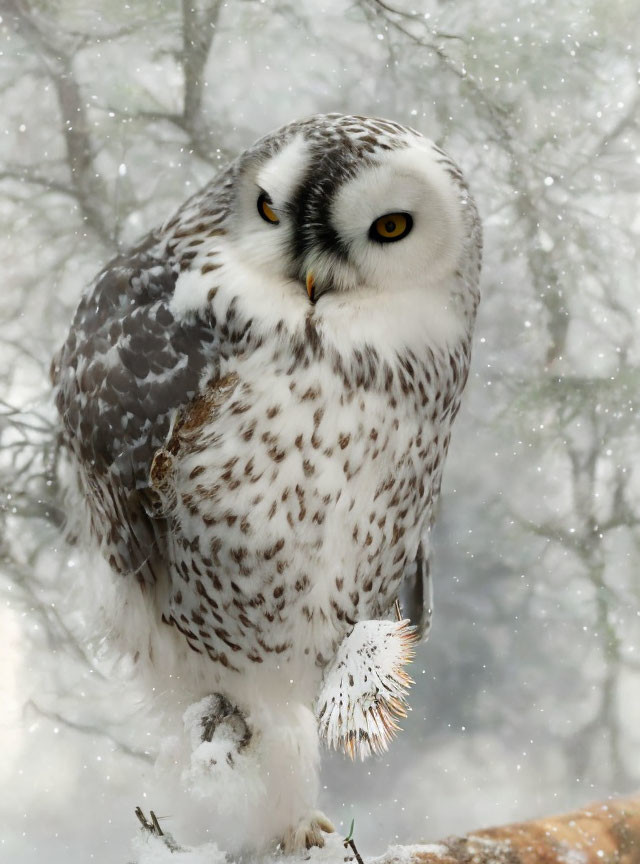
<point x="527" y="696"/>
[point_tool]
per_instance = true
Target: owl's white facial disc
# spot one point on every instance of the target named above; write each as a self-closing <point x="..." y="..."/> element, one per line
<point x="325" y="218"/>
<point x="407" y="181"/>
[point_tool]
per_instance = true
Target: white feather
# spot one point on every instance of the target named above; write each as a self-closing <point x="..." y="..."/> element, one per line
<point x="364" y="688"/>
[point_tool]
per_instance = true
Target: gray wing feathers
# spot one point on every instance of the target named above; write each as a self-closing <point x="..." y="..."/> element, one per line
<point x="124" y="370"/>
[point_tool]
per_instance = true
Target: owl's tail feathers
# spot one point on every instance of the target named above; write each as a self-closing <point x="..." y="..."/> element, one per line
<point x="416" y="592"/>
<point x="363" y="693"/>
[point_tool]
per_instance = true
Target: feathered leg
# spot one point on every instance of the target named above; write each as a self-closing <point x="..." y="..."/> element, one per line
<point x="256" y="760"/>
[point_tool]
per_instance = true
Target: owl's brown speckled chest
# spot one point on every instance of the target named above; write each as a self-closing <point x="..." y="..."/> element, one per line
<point x="296" y="495"/>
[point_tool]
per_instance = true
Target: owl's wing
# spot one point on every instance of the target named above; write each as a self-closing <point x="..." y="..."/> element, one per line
<point x="416" y="592"/>
<point x="126" y="367"/>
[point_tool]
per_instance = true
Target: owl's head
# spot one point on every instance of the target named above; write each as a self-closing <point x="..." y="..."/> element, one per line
<point x="335" y="211"/>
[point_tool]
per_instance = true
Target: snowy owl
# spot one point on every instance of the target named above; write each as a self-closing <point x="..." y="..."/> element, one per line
<point x="257" y="402"/>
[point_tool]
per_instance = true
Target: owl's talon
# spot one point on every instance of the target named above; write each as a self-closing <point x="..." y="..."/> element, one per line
<point x="307" y="833"/>
<point x="220" y="712"/>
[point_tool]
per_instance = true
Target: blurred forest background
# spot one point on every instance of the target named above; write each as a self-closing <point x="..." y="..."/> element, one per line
<point x="527" y="696"/>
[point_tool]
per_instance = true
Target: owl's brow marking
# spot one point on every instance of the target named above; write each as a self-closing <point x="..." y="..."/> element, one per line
<point x="317" y="224"/>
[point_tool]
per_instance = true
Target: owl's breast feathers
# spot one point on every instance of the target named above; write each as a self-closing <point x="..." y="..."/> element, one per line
<point x="296" y="489"/>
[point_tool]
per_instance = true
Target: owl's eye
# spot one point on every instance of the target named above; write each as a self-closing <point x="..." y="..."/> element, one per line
<point x="264" y="209"/>
<point x="391" y="227"/>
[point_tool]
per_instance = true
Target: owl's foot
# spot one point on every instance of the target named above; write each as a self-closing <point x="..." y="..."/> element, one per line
<point x="308" y="832"/>
<point x="219" y="737"/>
<point x="219" y="714"/>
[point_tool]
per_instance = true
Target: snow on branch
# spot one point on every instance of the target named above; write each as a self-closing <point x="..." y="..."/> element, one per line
<point x="607" y="831"/>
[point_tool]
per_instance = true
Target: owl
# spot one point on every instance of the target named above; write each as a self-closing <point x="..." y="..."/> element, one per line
<point x="256" y="402"/>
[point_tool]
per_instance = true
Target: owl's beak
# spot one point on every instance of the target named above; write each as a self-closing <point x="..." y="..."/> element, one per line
<point x="310" y="286"/>
<point x="314" y="290"/>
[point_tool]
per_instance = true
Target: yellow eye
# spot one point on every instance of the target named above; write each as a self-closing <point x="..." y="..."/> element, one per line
<point x="264" y="209"/>
<point x="390" y="227"/>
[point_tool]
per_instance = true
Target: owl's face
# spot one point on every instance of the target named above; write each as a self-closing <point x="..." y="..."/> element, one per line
<point x="362" y="223"/>
<point x="336" y="217"/>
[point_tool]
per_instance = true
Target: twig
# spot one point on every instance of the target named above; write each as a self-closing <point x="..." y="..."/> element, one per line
<point x="156" y="824"/>
<point x="349" y="841"/>
<point x="153" y="827"/>
<point x="143" y="820"/>
<point x="89" y="729"/>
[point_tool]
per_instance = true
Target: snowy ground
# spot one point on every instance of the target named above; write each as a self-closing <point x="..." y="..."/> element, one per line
<point x="151" y="850"/>
<point x="80" y="740"/>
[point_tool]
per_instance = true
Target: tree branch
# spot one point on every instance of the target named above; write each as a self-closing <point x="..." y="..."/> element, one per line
<point x="56" y="58"/>
<point x="606" y="831"/>
<point x="198" y="31"/>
